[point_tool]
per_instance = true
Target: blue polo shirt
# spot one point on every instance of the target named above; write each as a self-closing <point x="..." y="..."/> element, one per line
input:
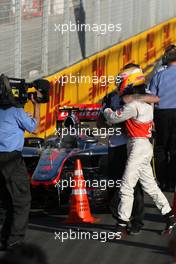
<point x="13" y="123"/>
<point x="163" y="84"/>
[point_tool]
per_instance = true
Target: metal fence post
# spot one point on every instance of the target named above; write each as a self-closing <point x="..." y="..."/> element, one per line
<point x="109" y="20"/>
<point x="17" y="54"/>
<point x="153" y="8"/>
<point x="66" y="47"/>
<point x="45" y="39"/>
<point x="97" y="15"/>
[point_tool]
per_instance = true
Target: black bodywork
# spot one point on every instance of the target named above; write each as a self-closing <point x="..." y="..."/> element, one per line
<point x="50" y="161"/>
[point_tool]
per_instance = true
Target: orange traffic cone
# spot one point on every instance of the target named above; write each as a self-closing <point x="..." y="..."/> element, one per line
<point x="79" y="211"/>
<point x="174" y="203"/>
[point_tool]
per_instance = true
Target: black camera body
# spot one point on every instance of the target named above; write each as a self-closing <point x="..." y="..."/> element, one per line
<point x="16" y="92"/>
<point x="20" y="90"/>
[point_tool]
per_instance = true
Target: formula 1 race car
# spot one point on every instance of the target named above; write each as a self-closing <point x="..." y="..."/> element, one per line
<point x="51" y="161"/>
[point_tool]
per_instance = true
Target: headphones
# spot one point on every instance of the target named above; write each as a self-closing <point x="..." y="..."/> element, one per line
<point x="169" y="55"/>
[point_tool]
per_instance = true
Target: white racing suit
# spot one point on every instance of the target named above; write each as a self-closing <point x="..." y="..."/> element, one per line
<point x="139" y="120"/>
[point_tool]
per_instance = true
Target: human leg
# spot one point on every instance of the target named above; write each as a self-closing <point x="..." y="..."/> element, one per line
<point x="150" y="186"/>
<point x="161" y="149"/>
<point x="137" y="215"/>
<point x="117" y="157"/>
<point x="172" y="150"/>
<point x="129" y="181"/>
<point x="18" y="191"/>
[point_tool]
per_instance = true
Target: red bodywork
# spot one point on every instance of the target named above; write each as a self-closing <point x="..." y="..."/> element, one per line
<point x="55" y="181"/>
<point x="85" y="112"/>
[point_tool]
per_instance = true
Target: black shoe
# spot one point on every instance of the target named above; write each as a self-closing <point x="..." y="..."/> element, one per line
<point x="170" y="223"/>
<point x="135" y="229"/>
<point x="121" y="231"/>
<point x="168" y="229"/>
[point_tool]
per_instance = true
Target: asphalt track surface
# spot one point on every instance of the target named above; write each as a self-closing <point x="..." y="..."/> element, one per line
<point x="148" y="247"/>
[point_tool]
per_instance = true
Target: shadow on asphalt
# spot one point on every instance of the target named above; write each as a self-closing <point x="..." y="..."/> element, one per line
<point x="82" y="228"/>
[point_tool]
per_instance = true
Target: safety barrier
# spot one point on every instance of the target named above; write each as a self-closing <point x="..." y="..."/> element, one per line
<point x="144" y="49"/>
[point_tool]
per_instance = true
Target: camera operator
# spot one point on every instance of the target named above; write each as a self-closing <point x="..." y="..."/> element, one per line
<point x="14" y="180"/>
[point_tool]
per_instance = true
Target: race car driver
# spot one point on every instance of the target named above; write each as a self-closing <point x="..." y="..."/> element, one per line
<point x="117" y="156"/>
<point x="138" y="117"/>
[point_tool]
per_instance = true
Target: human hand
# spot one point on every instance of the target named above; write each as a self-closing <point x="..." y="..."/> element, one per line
<point x="107" y="113"/>
<point x="30" y="115"/>
<point x="33" y="100"/>
<point x="39" y="95"/>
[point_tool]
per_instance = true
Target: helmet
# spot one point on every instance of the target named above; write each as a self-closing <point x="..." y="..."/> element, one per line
<point x="130" y="76"/>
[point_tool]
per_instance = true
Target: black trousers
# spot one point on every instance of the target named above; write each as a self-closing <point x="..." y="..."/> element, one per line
<point x="117" y="158"/>
<point x="165" y="146"/>
<point x="15" y="196"/>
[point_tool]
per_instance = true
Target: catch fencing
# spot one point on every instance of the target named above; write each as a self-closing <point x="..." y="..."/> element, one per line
<point x="41" y="37"/>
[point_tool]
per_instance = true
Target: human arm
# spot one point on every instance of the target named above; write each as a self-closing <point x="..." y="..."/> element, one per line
<point x="128" y="111"/>
<point x="37" y="117"/>
<point x="147" y="98"/>
<point x="154" y="83"/>
<point x="36" y="114"/>
<point x="28" y="122"/>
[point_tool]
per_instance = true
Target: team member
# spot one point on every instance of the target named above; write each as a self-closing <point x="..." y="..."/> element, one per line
<point x="138" y="117"/>
<point x="163" y="84"/>
<point x="14" y="182"/>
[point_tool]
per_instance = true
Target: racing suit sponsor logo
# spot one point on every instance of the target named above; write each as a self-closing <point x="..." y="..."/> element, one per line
<point x="136" y="129"/>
